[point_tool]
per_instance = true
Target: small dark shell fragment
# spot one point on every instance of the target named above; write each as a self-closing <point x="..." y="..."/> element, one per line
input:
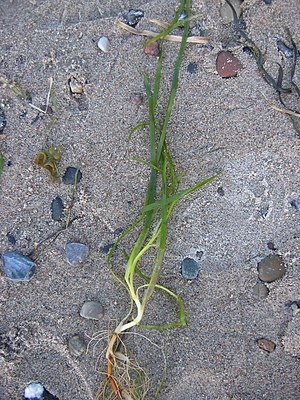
<point x="72" y="175"/>
<point x="57" y="209"/>
<point x="133" y="17"/>
<point x="2" y="120"/>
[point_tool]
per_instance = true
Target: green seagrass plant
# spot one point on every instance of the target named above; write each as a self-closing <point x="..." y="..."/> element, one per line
<point x="125" y="379"/>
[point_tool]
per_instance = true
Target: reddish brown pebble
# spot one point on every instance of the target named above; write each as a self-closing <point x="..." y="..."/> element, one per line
<point x="137" y="99"/>
<point x="152" y="49"/>
<point x="227" y="64"/>
<point x="266" y="345"/>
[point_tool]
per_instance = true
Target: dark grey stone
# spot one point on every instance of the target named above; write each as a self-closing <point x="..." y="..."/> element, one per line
<point x="92" y="310"/>
<point x="271" y="268"/>
<point x="57" y="209"/>
<point x="18" y="267"/>
<point x="260" y="290"/>
<point x="189" y="268"/>
<point x="76" y="253"/>
<point x="72" y="175"/>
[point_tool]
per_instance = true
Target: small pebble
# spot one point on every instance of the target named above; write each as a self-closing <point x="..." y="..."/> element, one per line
<point x="226" y="11"/>
<point x="295" y="204"/>
<point x="287" y="51"/>
<point x="77" y="345"/>
<point x="268" y="2"/>
<point x="92" y="310"/>
<point x="105" y="249"/>
<point x="192" y="68"/>
<point x="72" y="175"/>
<point x="271" y="268"/>
<point x="11" y="238"/>
<point x="152" y="49"/>
<point x="76" y="253"/>
<point x="266" y="345"/>
<point x="57" y="209"/>
<point x="264" y="212"/>
<point x="133" y="17"/>
<point x="227" y="64"/>
<point x="76" y="87"/>
<point x="199" y="254"/>
<point x="220" y="191"/>
<point x="260" y="290"/>
<point x="18" y="267"/>
<point x="103" y="44"/>
<point x="271" y="246"/>
<point x="137" y="99"/>
<point x="34" y="391"/>
<point x="2" y="120"/>
<point x="189" y="268"/>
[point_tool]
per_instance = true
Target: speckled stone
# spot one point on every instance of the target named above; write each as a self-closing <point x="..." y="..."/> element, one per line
<point x="77" y="345"/>
<point x="260" y="290"/>
<point x="271" y="268"/>
<point x="189" y="268"/>
<point x="18" y="267"/>
<point x="92" y="310"/>
<point x="227" y="64"/>
<point x="76" y="253"/>
<point x="266" y="345"/>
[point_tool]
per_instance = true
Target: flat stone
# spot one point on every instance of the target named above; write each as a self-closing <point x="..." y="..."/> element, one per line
<point x="271" y="268"/>
<point x="72" y="175"/>
<point x="92" y="310"/>
<point x="76" y="253"/>
<point x="227" y="64"/>
<point x="77" y="345"/>
<point x="260" y="290"/>
<point x="103" y="44"/>
<point x="266" y="345"/>
<point x="18" y="267"/>
<point x="189" y="268"/>
<point x="226" y="11"/>
<point x="57" y="209"/>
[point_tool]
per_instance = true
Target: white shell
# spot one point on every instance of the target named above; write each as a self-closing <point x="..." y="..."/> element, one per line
<point x="103" y="44"/>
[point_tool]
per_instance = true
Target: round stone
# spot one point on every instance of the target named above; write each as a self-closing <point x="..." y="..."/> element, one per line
<point x="92" y="310"/>
<point x="271" y="268"/>
<point x="72" y="175"/>
<point x="227" y="64"/>
<point x="18" y="267"/>
<point x="189" y="268"/>
<point x="260" y="290"/>
<point x="103" y="44"/>
<point x="76" y="253"/>
<point x="77" y="345"/>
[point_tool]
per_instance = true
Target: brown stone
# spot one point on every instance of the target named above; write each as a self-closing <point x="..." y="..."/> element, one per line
<point x="152" y="49"/>
<point x="227" y="64"/>
<point x="271" y="268"/>
<point x="266" y="345"/>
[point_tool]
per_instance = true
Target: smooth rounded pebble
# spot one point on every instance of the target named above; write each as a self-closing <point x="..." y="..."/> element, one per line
<point x="103" y="44"/>
<point x="266" y="345"/>
<point x="189" y="268"/>
<point x="57" y="209"/>
<point x="18" y="267"/>
<point x="76" y="253"/>
<point x="72" y="175"/>
<point x="77" y="345"/>
<point x="227" y="64"/>
<point x="34" y="391"/>
<point x="271" y="268"/>
<point x="92" y="310"/>
<point x="260" y="290"/>
<point x="226" y="11"/>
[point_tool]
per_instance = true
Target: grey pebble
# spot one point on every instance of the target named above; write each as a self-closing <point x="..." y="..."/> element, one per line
<point x="72" y="175"/>
<point x="77" y="345"/>
<point x="57" y="209"/>
<point x="266" y="345"/>
<point x="295" y="204"/>
<point x="2" y="120"/>
<point x="260" y="290"/>
<point x="133" y="17"/>
<point x="189" y="268"/>
<point x="18" y="267"/>
<point x="192" y="68"/>
<point x="92" y="310"/>
<point x="271" y="268"/>
<point x="76" y="253"/>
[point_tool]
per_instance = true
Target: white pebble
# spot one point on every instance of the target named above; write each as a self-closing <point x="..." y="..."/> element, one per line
<point x="103" y="44"/>
<point x="34" y="391"/>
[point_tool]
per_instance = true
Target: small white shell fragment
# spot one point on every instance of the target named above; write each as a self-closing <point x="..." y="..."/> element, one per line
<point x="103" y="44"/>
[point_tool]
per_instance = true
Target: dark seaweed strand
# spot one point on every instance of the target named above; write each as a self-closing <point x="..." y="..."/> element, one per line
<point x="257" y="54"/>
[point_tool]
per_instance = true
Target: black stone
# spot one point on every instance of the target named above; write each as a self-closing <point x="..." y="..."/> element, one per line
<point x="192" y="68"/>
<point x="11" y="238"/>
<point x="133" y="17"/>
<point x="69" y="177"/>
<point x="2" y="120"/>
<point x="57" y="209"/>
